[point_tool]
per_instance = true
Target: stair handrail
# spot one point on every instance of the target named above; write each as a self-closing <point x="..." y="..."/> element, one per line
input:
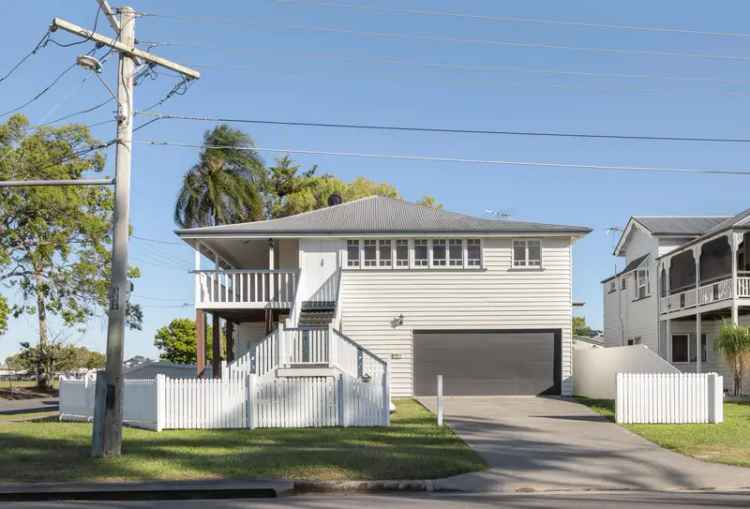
<point x="293" y="319"/>
<point x="338" y="309"/>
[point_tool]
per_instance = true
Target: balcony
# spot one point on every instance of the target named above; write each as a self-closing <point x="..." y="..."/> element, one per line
<point x="246" y="289"/>
<point x="706" y="294"/>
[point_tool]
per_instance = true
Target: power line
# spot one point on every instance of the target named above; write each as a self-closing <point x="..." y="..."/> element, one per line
<point x="41" y="93"/>
<point x="554" y="134"/>
<point x="491" y="162"/>
<point x="157" y="241"/>
<point x="461" y="40"/>
<point x="461" y="67"/>
<point x="41" y="44"/>
<point x="520" y="19"/>
<point x="161" y="299"/>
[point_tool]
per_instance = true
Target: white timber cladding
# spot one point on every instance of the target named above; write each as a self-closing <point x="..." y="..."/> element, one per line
<point x="494" y="296"/>
<point x="630" y="313"/>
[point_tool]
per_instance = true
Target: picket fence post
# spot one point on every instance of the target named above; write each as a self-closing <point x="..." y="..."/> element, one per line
<point x="250" y="400"/>
<point x="387" y="394"/>
<point x="160" y="400"/>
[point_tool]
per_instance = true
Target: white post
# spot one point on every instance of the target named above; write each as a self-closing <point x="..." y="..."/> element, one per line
<point x="733" y="247"/>
<point x="698" y="342"/>
<point x="332" y="347"/>
<point x="440" y="400"/>
<point x="387" y="394"/>
<point x="250" y="400"/>
<point x="197" y="275"/>
<point x="160" y="401"/>
<point x="282" y="335"/>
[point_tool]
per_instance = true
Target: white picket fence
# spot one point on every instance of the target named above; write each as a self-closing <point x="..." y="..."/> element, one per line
<point x="242" y="401"/>
<point x="667" y="398"/>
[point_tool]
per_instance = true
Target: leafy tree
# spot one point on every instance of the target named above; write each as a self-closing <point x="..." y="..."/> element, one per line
<point x="55" y="241"/>
<point x="226" y="185"/>
<point x="4" y="312"/>
<point x="430" y="201"/>
<point x="45" y="360"/>
<point x="580" y="328"/>
<point x="734" y="344"/>
<point x="177" y="342"/>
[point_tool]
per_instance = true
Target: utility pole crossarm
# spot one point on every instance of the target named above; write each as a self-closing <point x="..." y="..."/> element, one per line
<point x="110" y="14"/>
<point x="123" y="48"/>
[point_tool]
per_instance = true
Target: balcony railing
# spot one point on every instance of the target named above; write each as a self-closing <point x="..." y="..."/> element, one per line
<point x="246" y="288"/>
<point x="706" y="294"/>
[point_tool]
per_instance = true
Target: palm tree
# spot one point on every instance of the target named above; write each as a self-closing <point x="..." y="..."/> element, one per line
<point x="226" y="185"/>
<point x="734" y="343"/>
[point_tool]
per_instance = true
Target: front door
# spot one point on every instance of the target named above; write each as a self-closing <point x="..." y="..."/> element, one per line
<point x="320" y="260"/>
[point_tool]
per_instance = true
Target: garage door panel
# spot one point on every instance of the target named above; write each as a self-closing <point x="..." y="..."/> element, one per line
<point x="486" y="363"/>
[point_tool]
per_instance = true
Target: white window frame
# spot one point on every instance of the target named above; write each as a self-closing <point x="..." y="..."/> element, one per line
<point x="359" y="254"/>
<point x="396" y="259"/>
<point x="642" y="282"/>
<point x="461" y="259"/>
<point x="525" y="264"/>
<point x="390" y="249"/>
<point x="432" y="254"/>
<point x="364" y="254"/>
<point x="427" y="260"/>
<point x="467" y="260"/>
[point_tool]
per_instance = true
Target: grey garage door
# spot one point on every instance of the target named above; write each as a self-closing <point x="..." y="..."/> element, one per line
<point x="483" y="363"/>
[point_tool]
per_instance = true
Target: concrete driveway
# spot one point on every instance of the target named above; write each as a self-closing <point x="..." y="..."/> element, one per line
<point x="541" y="444"/>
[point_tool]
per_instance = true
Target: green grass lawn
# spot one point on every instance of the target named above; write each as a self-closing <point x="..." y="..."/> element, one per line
<point x="728" y="442"/>
<point x="412" y="448"/>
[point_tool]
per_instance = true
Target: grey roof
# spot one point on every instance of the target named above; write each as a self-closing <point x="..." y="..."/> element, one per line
<point x="675" y="225"/>
<point x="634" y="264"/>
<point x="729" y="222"/>
<point x="380" y="215"/>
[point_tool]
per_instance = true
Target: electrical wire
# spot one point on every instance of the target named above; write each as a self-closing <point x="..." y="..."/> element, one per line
<point x="158" y="241"/>
<point x="442" y="130"/>
<point x="489" y="162"/>
<point x="84" y="40"/>
<point x="518" y="19"/>
<point x="461" y="40"/>
<point x="41" y="44"/>
<point x="41" y="93"/>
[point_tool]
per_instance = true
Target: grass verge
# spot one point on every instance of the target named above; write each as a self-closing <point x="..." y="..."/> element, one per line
<point x="728" y="442"/>
<point x="413" y="447"/>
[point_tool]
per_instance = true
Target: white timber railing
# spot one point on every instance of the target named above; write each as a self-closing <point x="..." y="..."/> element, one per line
<point x="328" y="293"/>
<point x="743" y="287"/>
<point x="246" y="288"/>
<point x="243" y="400"/>
<point x="290" y="348"/>
<point x="714" y="292"/>
<point x="665" y="398"/>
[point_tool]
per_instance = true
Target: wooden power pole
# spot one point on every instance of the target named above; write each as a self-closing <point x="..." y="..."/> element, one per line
<point x="107" y="434"/>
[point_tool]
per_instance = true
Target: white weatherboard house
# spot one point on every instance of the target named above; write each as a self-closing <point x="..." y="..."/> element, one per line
<point x="487" y="303"/>
<point x="683" y="276"/>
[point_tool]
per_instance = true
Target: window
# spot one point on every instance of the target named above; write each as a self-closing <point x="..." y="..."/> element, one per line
<point x="438" y="253"/>
<point x="402" y="253"/>
<point x="474" y="253"/>
<point x="624" y="282"/>
<point x="371" y="253"/>
<point x="680" y="348"/>
<point x="612" y="286"/>
<point x="352" y="253"/>
<point x="642" y="288"/>
<point x="455" y="253"/>
<point x="691" y="348"/>
<point x="420" y="253"/>
<point x="384" y="253"/>
<point x="527" y="253"/>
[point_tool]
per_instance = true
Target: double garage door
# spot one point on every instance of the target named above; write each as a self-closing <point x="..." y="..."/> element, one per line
<point x="484" y="363"/>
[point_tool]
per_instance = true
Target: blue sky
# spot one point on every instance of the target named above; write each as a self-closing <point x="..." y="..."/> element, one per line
<point x="300" y="61"/>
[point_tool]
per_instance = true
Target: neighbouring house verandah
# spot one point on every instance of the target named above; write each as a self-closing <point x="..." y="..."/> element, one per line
<point x="701" y="284"/>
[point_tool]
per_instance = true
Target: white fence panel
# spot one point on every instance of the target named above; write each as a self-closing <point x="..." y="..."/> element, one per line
<point x="205" y="403"/>
<point x="295" y="402"/>
<point x="666" y="398"/>
<point x="363" y="402"/>
<point x="77" y="398"/>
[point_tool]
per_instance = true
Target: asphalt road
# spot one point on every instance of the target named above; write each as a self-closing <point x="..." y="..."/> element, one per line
<point x="591" y="500"/>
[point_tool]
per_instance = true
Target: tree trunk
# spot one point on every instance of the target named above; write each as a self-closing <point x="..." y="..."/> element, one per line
<point x="41" y="311"/>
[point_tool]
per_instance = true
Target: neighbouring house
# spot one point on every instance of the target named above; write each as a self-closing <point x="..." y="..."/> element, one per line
<point x="486" y="303"/>
<point x="683" y="276"/>
<point x="149" y="369"/>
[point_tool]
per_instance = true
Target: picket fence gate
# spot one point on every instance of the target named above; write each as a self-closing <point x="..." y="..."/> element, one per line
<point x="669" y="398"/>
<point x="239" y="401"/>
